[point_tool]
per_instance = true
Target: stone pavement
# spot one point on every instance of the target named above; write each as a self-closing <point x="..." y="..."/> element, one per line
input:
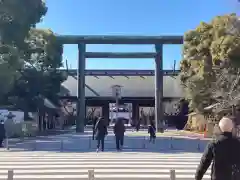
<point x="47" y="133"/>
<point x="169" y="133"/>
<point x="82" y="142"/>
<point x="106" y="166"/>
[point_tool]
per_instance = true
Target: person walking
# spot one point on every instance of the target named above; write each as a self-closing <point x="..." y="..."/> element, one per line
<point x="152" y="132"/>
<point x="223" y="153"/>
<point x="2" y="133"/>
<point x="119" y="130"/>
<point x="100" y="132"/>
<point x="138" y="124"/>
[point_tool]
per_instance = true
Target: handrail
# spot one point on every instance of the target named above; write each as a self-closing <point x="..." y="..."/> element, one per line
<point x="89" y="144"/>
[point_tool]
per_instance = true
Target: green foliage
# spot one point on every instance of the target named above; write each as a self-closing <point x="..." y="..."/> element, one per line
<point x="44" y="52"/>
<point x="19" y="16"/>
<point x="40" y="75"/>
<point x="33" y="83"/>
<point x="16" y="19"/>
<point x="29" y="57"/>
<point x="9" y="64"/>
<point x="207" y="49"/>
<point x="45" y="57"/>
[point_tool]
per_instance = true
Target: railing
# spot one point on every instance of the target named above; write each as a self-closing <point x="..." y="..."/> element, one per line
<point x="169" y="143"/>
<point x="143" y="142"/>
<point x="91" y="175"/>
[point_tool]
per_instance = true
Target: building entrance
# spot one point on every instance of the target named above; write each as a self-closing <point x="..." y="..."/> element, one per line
<point x="123" y="112"/>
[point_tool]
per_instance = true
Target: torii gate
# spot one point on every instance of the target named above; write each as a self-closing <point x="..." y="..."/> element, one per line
<point x="82" y="41"/>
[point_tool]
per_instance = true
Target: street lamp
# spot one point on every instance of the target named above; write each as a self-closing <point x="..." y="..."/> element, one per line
<point x="116" y="92"/>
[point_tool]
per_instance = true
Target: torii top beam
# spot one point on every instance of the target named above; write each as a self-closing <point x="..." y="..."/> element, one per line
<point x="94" y="39"/>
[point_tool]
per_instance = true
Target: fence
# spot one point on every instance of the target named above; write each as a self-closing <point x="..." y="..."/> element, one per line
<point x="86" y="144"/>
<point x="91" y="175"/>
<point x="143" y="143"/>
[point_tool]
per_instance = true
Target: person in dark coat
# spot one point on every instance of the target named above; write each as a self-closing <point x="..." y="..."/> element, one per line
<point x="100" y="133"/>
<point x="119" y="130"/>
<point x="2" y="132"/>
<point x="95" y="119"/>
<point x="152" y="132"/>
<point x="224" y="152"/>
<point x="138" y="124"/>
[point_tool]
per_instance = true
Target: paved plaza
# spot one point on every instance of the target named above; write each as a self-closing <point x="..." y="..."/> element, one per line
<point x="169" y="133"/>
<point x="71" y="155"/>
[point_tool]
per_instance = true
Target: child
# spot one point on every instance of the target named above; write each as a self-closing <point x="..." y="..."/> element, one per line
<point x="152" y="132"/>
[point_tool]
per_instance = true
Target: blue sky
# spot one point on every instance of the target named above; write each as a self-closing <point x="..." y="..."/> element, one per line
<point x="130" y="17"/>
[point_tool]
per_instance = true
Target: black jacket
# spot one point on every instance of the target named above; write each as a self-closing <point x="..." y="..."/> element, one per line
<point x="224" y="154"/>
<point x="95" y="120"/>
<point x="2" y="131"/>
<point x="119" y="128"/>
<point x="100" y="129"/>
<point x="152" y="131"/>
